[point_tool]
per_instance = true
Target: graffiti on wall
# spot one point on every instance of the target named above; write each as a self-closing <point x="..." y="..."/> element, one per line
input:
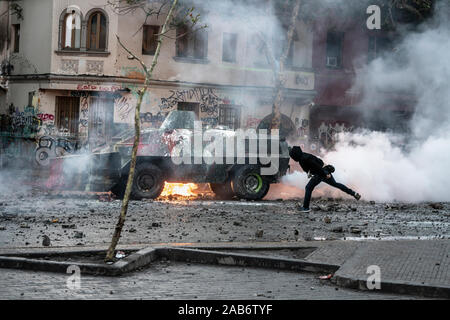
<point x="328" y="132"/>
<point x="50" y="147"/>
<point x="93" y="87"/>
<point x="123" y="109"/>
<point x="302" y="126"/>
<point x="206" y="97"/>
<point x="25" y="123"/>
<point x="152" y="120"/>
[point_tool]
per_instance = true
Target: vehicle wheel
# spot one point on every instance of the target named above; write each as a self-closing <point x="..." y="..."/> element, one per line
<point x="249" y="184"/>
<point x="148" y="182"/>
<point x="222" y="190"/>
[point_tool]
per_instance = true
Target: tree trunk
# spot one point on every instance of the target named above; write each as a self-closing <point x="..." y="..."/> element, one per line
<point x="276" y="114"/>
<point x="137" y="131"/>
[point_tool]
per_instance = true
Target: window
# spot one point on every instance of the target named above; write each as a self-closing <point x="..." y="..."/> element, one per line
<point x="189" y="106"/>
<point x="230" y="116"/>
<point x="150" y="39"/>
<point x="71" y="31"/>
<point x="378" y="45"/>
<point x="16" y="30"/>
<point x="31" y="97"/>
<point x="334" y="49"/>
<point x="67" y="114"/>
<point x="191" y="44"/>
<point x="229" y="47"/>
<point x="96" y="33"/>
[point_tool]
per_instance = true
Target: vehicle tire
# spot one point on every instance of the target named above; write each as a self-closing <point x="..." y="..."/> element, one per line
<point x="222" y="190"/>
<point x="148" y="182"/>
<point x="249" y="184"/>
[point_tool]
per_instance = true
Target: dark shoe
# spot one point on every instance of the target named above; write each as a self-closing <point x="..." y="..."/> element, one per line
<point x="357" y="196"/>
<point x="304" y="210"/>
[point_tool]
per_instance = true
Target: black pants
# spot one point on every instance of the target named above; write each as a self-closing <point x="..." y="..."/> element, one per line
<point x="315" y="180"/>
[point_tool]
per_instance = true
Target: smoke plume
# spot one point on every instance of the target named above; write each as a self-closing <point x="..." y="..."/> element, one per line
<point x="386" y="166"/>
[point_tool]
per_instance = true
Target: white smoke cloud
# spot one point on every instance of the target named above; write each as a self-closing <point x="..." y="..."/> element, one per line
<point x="379" y="165"/>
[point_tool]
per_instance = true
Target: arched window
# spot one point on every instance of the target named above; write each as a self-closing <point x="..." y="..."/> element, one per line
<point x="71" y="31"/>
<point x="97" y="31"/>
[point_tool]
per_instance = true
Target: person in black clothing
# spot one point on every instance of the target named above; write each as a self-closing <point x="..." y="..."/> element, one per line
<point x="318" y="173"/>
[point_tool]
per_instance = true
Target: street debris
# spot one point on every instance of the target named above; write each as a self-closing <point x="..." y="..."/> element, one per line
<point x="337" y="229"/>
<point x="327" y="277"/>
<point x="437" y="206"/>
<point x="259" y="233"/>
<point x="120" y="255"/>
<point x="78" y="235"/>
<point x="46" y="241"/>
<point x="355" y="230"/>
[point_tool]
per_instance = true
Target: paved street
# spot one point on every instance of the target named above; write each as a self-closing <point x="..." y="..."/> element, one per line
<point x="84" y="221"/>
<point x="173" y="280"/>
<point x="25" y="217"/>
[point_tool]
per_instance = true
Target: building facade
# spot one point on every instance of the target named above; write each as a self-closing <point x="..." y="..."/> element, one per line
<point x="342" y="47"/>
<point x="65" y="74"/>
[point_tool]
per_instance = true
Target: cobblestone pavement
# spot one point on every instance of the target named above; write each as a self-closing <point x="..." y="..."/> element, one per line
<point x="25" y="219"/>
<point x="172" y="281"/>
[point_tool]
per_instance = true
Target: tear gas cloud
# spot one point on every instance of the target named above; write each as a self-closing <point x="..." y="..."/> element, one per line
<point x="380" y="165"/>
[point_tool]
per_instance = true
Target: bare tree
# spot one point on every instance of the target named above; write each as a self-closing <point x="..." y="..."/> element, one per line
<point x="122" y="7"/>
<point x="278" y="63"/>
<point x="279" y="69"/>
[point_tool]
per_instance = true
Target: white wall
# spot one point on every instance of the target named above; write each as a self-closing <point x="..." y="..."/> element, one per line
<point x="35" y="38"/>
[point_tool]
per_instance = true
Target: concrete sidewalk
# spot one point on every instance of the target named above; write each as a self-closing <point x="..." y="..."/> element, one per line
<point x="412" y="267"/>
<point x="420" y="267"/>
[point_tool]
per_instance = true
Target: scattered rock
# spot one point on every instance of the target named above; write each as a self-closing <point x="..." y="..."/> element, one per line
<point x="132" y="230"/>
<point x="68" y="226"/>
<point x="78" y="235"/>
<point x="2" y="228"/>
<point x="156" y="224"/>
<point x="296" y="232"/>
<point x="24" y="226"/>
<point x="337" y="229"/>
<point x="437" y="206"/>
<point x="372" y="202"/>
<point x="237" y="223"/>
<point x="355" y="230"/>
<point x="46" y="241"/>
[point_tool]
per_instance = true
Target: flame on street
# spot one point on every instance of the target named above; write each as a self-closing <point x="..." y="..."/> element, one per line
<point x="179" y="189"/>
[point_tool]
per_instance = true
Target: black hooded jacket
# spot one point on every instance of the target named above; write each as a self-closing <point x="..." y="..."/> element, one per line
<point x="308" y="162"/>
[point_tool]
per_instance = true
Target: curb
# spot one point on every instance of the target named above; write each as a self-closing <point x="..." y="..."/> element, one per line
<point x="146" y="256"/>
<point x="431" y="291"/>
